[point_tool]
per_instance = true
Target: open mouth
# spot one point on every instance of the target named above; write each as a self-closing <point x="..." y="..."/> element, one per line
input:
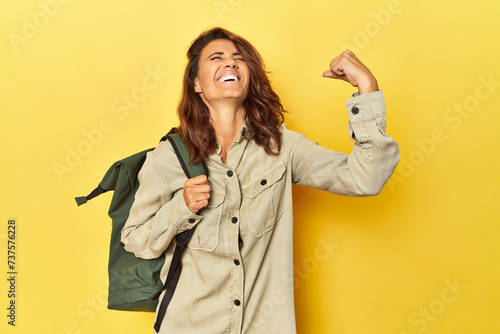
<point x="228" y="78"/>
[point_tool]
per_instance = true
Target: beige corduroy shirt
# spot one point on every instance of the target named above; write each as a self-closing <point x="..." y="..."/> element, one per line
<point x="225" y="289"/>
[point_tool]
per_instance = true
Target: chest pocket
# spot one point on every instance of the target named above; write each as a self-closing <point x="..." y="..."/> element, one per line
<point x="262" y="201"/>
<point x="206" y="234"/>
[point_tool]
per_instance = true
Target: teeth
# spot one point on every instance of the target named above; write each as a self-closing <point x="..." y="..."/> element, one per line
<point x="228" y="77"/>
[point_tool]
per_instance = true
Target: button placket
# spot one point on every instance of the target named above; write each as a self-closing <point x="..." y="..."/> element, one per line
<point x="233" y="210"/>
<point x="232" y="218"/>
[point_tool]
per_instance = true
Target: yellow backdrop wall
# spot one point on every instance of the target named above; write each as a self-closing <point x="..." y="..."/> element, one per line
<point x="422" y="257"/>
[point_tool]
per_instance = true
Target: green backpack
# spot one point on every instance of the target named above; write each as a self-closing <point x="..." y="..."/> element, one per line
<point x="134" y="283"/>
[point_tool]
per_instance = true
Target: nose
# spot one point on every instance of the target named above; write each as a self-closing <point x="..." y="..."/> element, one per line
<point x="231" y="63"/>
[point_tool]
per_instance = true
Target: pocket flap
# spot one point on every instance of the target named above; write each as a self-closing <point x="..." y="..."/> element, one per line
<point x="257" y="186"/>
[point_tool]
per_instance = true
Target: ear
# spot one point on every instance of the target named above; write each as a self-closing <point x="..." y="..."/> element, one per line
<point x="197" y="87"/>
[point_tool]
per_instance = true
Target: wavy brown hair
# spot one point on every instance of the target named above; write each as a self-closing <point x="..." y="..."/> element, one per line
<point x="263" y="108"/>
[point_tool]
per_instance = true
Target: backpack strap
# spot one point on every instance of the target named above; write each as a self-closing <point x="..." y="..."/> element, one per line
<point x="181" y="239"/>
<point x="96" y="192"/>
<point x="183" y="155"/>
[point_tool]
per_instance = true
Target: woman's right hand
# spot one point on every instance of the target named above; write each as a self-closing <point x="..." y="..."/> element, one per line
<point x="196" y="193"/>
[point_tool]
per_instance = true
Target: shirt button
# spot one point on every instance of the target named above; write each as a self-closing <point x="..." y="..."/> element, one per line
<point x="263" y="182"/>
<point x="237" y="302"/>
<point x="229" y="173"/>
<point x="355" y="110"/>
<point x="234" y="220"/>
<point x="237" y="262"/>
<point x="191" y="220"/>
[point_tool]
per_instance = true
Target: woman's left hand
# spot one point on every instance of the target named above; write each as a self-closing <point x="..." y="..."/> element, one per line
<point x="349" y="68"/>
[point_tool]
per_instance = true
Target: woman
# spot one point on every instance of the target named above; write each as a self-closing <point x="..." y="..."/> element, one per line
<point x="238" y="271"/>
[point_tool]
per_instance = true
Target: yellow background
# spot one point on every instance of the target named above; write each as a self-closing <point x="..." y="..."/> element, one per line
<point x="66" y="65"/>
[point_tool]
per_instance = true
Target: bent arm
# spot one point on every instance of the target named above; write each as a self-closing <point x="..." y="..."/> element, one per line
<point x="157" y="214"/>
<point x="366" y="169"/>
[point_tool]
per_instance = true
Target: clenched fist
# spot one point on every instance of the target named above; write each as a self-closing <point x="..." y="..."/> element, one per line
<point x="196" y="193"/>
<point x="349" y="68"/>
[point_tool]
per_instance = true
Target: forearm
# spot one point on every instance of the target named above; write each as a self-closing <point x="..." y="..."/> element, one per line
<point x="375" y="154"/>
<point x="150" y="238"/>
<point x="366" y="169"/>
<point x="156" y="215"/>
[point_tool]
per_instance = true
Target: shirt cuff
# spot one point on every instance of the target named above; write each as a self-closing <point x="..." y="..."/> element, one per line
<point x="184" y="218"/>
<point x="366" y="106"/>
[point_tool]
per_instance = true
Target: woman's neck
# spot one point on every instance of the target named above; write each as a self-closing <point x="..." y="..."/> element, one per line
<point x="227" y="123"/>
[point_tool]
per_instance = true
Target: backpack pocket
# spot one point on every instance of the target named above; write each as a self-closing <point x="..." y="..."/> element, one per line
<point x="206" y="235"/>
<point x="262" y="201"/>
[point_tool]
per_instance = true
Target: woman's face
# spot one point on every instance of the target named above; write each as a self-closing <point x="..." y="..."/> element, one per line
<point x="223" y="74"/>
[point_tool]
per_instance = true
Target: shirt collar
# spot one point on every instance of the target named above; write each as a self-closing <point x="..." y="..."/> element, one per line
<point x="241" y="137"/>
<point x="243" y="132"/>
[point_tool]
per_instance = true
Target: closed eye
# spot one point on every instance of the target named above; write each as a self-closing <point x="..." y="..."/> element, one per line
<point x="215" y="55"/>
<point x="218" y="55"/>
<point x="237" y="56"/>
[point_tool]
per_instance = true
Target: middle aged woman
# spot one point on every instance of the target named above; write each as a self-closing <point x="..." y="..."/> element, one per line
<point x="238" y="268"/>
